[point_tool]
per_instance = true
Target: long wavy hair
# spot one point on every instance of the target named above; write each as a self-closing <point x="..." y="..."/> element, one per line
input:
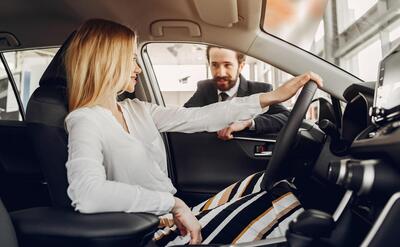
<point x="98" y="62"/>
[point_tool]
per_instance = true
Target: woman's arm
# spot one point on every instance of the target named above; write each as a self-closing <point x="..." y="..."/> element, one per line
<point x="219" y="115"/>
<point x="89" y="189"/>
<point x="207" y="118"/>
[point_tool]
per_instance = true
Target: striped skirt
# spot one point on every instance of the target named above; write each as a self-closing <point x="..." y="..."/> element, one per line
<point x="239" y="213"/>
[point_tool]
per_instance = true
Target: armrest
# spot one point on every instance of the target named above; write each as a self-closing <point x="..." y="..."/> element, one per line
<point x="47" y="226"/>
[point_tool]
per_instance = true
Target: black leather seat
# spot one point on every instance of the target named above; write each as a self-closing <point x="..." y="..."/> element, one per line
<point x="50" y="226"/>
<point x="60" y="225"/>
<point x="7" y="233"/>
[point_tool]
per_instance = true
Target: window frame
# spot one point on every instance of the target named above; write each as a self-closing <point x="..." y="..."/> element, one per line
<point x="10" y="75"/>
<point x="14" y="86"/>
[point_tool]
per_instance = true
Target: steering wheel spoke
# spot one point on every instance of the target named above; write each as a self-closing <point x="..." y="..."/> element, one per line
<point x="278" y="166"/>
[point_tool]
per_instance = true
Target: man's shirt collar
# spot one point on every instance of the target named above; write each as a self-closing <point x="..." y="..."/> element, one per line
<point x="233" y="91"/>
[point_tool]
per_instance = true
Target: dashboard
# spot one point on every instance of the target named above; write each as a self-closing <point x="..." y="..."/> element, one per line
<point x="368" y="165"/>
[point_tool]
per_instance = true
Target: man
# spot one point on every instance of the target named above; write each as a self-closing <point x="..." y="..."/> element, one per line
<point x="226" y="66"/>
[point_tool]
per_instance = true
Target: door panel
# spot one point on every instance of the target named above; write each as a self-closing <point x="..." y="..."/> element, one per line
<point x="203" y="164"/>
<point x="21" y="181"/>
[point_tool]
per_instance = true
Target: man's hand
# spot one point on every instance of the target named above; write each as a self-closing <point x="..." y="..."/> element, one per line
<point x="186" y="221"/>
<point x="226" y="133"/>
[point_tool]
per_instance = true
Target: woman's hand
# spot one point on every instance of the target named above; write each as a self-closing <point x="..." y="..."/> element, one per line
<point x="226" y="133"/>
<point x="288" y="89"/>
<point x="186" y="221"/>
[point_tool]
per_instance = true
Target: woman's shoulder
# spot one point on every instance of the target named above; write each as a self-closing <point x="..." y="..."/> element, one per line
<point x="82" y="112"/>
<point x="83" y="116"/>
<point x="85" y="122"/>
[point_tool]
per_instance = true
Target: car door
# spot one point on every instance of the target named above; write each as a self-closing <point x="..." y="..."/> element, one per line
<point x="21" y="180"/>
<point x="200" y="163"/>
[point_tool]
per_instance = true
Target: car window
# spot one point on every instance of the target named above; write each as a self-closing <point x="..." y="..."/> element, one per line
<point x="9" y="109"/>
<point x="353" y="34"/>
<point x="27" y="67"/>
<point x="178" y="68"/>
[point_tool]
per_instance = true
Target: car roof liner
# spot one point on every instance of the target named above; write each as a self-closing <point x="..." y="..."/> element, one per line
<point x="55" y="74"/>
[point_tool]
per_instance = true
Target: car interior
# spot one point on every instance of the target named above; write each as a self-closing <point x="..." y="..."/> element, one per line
<point x="345" y="165"/>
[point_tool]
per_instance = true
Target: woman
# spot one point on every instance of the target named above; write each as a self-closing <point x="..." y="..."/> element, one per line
<point x="116" y="156"/>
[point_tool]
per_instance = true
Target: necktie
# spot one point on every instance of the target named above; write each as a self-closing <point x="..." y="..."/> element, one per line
<point x="223" y="96"/>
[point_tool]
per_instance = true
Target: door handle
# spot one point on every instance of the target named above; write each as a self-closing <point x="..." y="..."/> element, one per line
<point x="253" y="139"/>
<point x="263" y="154"/>
<point x="261" y="151"/>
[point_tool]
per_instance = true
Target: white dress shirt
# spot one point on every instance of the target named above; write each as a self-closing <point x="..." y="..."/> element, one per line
<point x="111" y="170"/>
<point x="233" y="93"/>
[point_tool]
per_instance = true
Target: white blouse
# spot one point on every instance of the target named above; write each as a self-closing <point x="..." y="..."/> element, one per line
<point x="110" y="170"/>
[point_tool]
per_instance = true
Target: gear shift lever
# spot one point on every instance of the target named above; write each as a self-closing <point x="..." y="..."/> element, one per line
<point x="308" y="228"/>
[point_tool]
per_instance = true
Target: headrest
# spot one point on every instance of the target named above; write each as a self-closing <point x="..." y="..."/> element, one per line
<point x="48" y="104"/>
<point x="55" y="72"/>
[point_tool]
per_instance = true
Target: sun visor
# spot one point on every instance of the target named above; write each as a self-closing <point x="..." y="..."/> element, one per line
<point x="223" y="13"/>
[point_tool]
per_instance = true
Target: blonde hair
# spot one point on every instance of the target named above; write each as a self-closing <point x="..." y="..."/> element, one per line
<point x="98" y="62"/>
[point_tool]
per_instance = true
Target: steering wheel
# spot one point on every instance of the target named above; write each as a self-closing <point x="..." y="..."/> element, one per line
<point x="278" y="164"/>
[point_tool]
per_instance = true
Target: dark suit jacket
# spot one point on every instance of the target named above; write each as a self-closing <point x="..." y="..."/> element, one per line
<point x="268" y="122"/>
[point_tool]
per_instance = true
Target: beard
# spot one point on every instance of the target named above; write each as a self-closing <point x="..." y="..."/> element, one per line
<point x="224" y="83"/>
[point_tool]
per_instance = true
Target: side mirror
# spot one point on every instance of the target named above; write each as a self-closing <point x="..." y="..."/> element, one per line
<point x="320" y="109"/>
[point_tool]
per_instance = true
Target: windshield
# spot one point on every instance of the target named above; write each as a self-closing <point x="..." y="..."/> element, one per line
<point x="353" y="34"/>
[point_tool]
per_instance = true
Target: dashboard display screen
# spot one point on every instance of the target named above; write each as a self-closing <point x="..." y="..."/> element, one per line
<point x="387" y="93"/>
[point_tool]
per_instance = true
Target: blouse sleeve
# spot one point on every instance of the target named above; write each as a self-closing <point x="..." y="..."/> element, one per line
<point x="89" y="189"/>
<point x="207" y="118"/>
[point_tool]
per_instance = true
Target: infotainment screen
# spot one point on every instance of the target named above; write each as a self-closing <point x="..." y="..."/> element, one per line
<point x="387" y="91"/>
